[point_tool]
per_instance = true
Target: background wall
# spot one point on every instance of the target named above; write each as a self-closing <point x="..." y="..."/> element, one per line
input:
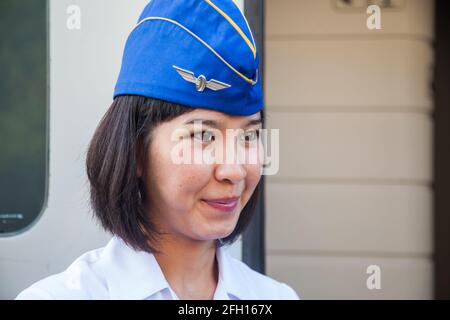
<point x="354" y="188"/>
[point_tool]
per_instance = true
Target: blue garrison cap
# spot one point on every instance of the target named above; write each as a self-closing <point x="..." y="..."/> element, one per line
<point x="199" y="53"/>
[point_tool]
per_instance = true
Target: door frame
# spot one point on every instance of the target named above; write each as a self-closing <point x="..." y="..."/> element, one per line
<point x="441" y="184"/>
<point x="253" y="244"/>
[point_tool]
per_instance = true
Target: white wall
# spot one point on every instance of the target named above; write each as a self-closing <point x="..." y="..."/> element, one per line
<point x="353" y="108"/>
<point x="83" y="68"/>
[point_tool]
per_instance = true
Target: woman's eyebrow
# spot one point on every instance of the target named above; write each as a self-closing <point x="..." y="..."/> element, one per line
<point x="215" y="124"/>
<point x="254" y="122"/>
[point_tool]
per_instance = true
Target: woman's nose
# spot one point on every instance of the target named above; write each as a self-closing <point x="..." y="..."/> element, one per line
<point x="234" y="172"/>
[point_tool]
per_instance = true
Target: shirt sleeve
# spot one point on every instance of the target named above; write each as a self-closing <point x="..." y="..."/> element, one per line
<point x="34" y="294"/>
<point x="287" y="293"/>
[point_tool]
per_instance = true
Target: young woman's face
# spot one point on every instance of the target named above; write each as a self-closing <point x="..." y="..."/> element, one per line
<point x="187" y="181"/>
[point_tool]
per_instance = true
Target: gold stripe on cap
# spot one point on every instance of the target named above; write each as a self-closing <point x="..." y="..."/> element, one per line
<point x="235" y="26"/>
<point x="253" y="82"/>
<point x="246" y="22"/>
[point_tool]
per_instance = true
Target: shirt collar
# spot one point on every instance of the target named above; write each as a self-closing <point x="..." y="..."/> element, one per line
<point x="131" y="274"/>
<point x="136" y="275"/>
<point x="231" y="283"/>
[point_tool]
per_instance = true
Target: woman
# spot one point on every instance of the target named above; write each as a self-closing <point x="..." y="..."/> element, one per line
<point x="188" y="93"/>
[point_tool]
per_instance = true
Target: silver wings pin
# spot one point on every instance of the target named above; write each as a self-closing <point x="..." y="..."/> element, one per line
<point x="201" y="83"/>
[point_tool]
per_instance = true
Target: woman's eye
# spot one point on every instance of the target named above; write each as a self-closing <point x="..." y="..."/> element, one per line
<point x="250" y="136"/>
<point x="204" y="136"/>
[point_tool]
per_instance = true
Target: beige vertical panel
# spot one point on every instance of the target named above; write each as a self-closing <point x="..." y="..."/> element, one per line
<point x="350" y="145"/>
<point x="345" y="277"/>
<point x="321" y="18"/>
<point x="348" y="74"/>
<point x="353" y="108"/>
<point x="349" y="219"/>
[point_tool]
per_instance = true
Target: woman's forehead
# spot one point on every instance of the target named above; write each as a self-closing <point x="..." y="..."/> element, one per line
<point x="204" y="114"/>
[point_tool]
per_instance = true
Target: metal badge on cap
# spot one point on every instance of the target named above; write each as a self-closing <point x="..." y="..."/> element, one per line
<point x="201" y="83"/>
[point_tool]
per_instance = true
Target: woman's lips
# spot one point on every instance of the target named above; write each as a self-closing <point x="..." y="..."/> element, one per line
<point x="225" y="205"/>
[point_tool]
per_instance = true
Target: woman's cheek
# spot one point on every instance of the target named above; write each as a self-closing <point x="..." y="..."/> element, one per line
<point x="251" y="181"/>
<point x="187" y="181"/>
<point x="254" y="172"/>
<point x="194" y="177"/>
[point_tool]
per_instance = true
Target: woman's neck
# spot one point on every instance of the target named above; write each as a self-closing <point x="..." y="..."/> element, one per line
<point x="189" y="266"/>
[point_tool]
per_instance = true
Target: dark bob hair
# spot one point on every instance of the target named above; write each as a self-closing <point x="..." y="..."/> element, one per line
<point x="117" y="194"/>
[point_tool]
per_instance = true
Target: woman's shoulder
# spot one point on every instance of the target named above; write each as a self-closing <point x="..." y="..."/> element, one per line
<point x="260" y="286"/>
<point x="81" y="280"/>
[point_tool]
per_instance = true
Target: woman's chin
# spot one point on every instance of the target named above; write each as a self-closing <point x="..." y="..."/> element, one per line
<point x="215" y="234"/>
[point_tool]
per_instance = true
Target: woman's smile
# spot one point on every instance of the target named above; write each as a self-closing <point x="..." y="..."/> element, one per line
<point x="224" y="204"/>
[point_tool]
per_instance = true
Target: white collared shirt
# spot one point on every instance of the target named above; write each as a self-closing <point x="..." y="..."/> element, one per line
<point x="117" y="271"/>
